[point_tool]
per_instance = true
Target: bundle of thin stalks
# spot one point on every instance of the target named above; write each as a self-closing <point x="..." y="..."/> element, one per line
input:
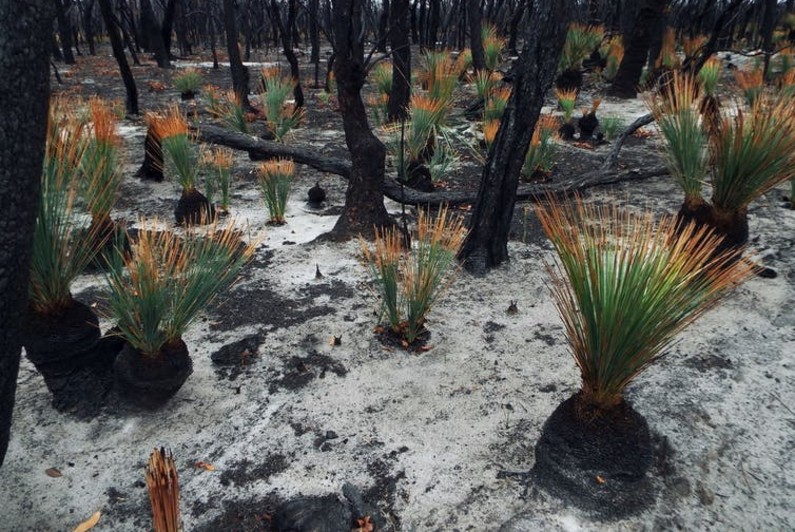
<point x="614" y="53"/>
<point x="490" y="130"/>
<point x="493" y="45"/>
<point x="567" y="100"/>
<point x="485" y="80"/>
<point x="158" y="289"/>
<point x="233" y="113"/>
<point x="541" y="152"/>
<point x="692" y="45"/>
<point x="625" y="286"/>
<point x="276" y="178"/>
<point x="379" y="103"/>
<point x="215" y="101"/>
<point x="440" y="76"/>
<point x="496" y="102"/>
<point x="100" y="177"/>
<point x="787" y="84"/>
<point x="753" y="153"/>
<point x="382" y="77"/>
<point x="751" y="83"/>
<point x="412" y="281"/>
<point x="427" y="115"/>
<point x="709" y="75"/>
<point x="219" y="160"/>
<point x="188" y="81"/>
<point x="62" y="248"/>
<point x="785" y="62"/>
<point x="172" y="129"/>
<point x="668" y="58"/>
<point x="162" y="483"/>
<point x="463" y="62"/>
<point x="281" y="117"/>
<point x="676" y="112"/>
<point x="611" y="125"/>
<point x="581" y="40"/>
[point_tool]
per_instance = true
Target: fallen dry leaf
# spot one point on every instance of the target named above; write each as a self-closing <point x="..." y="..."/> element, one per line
<point x="89" y="523"/>
<point x="205" y="465"/>
<point x="53" y="472"/>
<point x="364" y="525"/>
<point x="600" y="480"/>
<point x="584" y="145"/>
<point x="424" y="348"/>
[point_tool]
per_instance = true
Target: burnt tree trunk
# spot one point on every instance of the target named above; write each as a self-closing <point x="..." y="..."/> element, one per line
<point x="486" y="245"/>
<point x="475" y="36"/>
<point x="65" y="31"/>
<point x="88" y="25"/>
<point x="152" y="35"/>
<point x="637" y="44"/>
<point x="314" y="37"/>
<point x="24" y="98"/>
<point x="398" y="104"/>
<point x="383" y="27"/>
<point x="768" y="25"/>
<point x="287" y="43"/>
<point x="364" y="198"/>
<point x="118" y="52"/>
<point x="240" y="75"/>
<point x="168" y="25"/>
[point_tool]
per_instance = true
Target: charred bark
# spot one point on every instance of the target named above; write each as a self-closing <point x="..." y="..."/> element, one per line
<point x="398" y="104"/>
<point x="486" y="245"/>
<point x="121" y="59"/>
<point x="475" y="35"/>
<point x="287" y="43"/>
<point x="637" y="49"/>
<point x="240" y="74"/>
<point x="65" y="31"/>
<point x="24" y="98"/>
<point x="152" y="35"/>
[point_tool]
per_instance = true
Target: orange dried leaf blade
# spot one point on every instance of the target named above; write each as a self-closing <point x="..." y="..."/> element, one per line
<point x="205" y="466"/>
<point x="89" y="523"/>
<point x="53" y="472"/>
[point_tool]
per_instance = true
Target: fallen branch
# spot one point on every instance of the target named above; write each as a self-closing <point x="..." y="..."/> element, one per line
<point x="393" y="190"/>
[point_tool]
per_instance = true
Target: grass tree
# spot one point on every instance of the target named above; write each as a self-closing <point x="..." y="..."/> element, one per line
<point x="157" y="291"/>
<point x="625" y="286"/>
<point x="188" y="83"/>
<point x="218" y="161"/>
<point x="276" y="180"/>
<point x="281" y="116"/>
<point x="411" y="281"/>
<point x="193" y="206"/>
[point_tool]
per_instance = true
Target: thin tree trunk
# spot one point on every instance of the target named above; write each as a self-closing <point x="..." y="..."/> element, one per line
<point x="486" y="245"/>
<point x="121" y="59"/>
<point x="314" y="37"/>
<point x="153" y="36"/>
<point x="397" y="107"/>
<point x="240" y="74"/>
<point x="286" y="33"/>
<point x="65" y="31"/>
<point x="88" y="26"/>
<point x="475" y="36"/>
<point x="168" y="25"/>
<point x="364" y="197"/>
<point x="768" y="25"/>
<point x="24" y="98"/>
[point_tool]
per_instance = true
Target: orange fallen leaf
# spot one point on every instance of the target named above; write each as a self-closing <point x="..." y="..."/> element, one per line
<point x="600" y="480"/>
<point x="205" y="465"/>
<point x="53" y="472"/>
<point x="364" y="525"/>
<point x="89" y="523"/>
<point x="584" y="145"/>
<point x="424" y="348"/>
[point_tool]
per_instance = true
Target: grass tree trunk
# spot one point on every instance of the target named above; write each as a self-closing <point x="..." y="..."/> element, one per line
<point x="118" y="52"/>
<point x="636" y="44"/>
<point x="364" y="198"/>
<point x="397" y="107"/>
<point x="24" y="96"/>
<point x="240" y="75"/>
<point x="486" y="245"/>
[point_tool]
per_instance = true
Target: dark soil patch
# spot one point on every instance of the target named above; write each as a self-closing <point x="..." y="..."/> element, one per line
<point x="233" y="359"/>
<point x="599" y="465"/>
<point x="397" y="340"/>
<point x="384" y="492"/>
<point x="300" y="371"/>
<point x="708" y="362"/>
<point x="247" y="515"/>
<point x="245" y="471"/>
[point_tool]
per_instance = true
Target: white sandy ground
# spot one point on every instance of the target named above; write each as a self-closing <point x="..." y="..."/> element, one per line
<point x="442" y="424"/>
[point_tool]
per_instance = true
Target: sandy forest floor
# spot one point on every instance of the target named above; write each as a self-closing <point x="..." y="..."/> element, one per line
<point x="431" y="439"/>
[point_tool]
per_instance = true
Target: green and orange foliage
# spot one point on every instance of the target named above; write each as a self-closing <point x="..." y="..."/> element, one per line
<point x="787" y="84"/>
<point x="439" y="76"/>
<point x="485" y="81"/>
<point x="751" y="83"/>
<point x="709" y="75"/>
<point x="215" y="101"/>
<point x="427" y="115"/>
<point x="496" y="102"/>
<point x="463" y="62"/>
<point x="610" y="125"/>
<point x="410" y="282"/>
<point x="382" y="77"/>
<point x="541" y="151"/>
<point x="233" y="113"/>
<point x="625" y="286"/>
<point x="62" y="247"/>
<point x="173" y="131"/>
<point x="581" y="40"/>
<point x="159" y="289"/>
<point x="614" y="51"/>
<point x="379" y="103"/>
<point x="785" y="62"/>
<point x="218" y="161"/>
<point x="567" y="101"/>
<point x="691" y="45"/>
<point x="668" y="58"/>
<point x="490" y="129"/>
<point x="190" y="80"/>
<point x="493" y="45"/>
<point x="753" y="152"/>
<point x="282" y="117"/>
<point x="276" y="179"/>
<point x="676" y="113"/>
<point x="100" y="177"/>
<point x="162" y="484"/>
